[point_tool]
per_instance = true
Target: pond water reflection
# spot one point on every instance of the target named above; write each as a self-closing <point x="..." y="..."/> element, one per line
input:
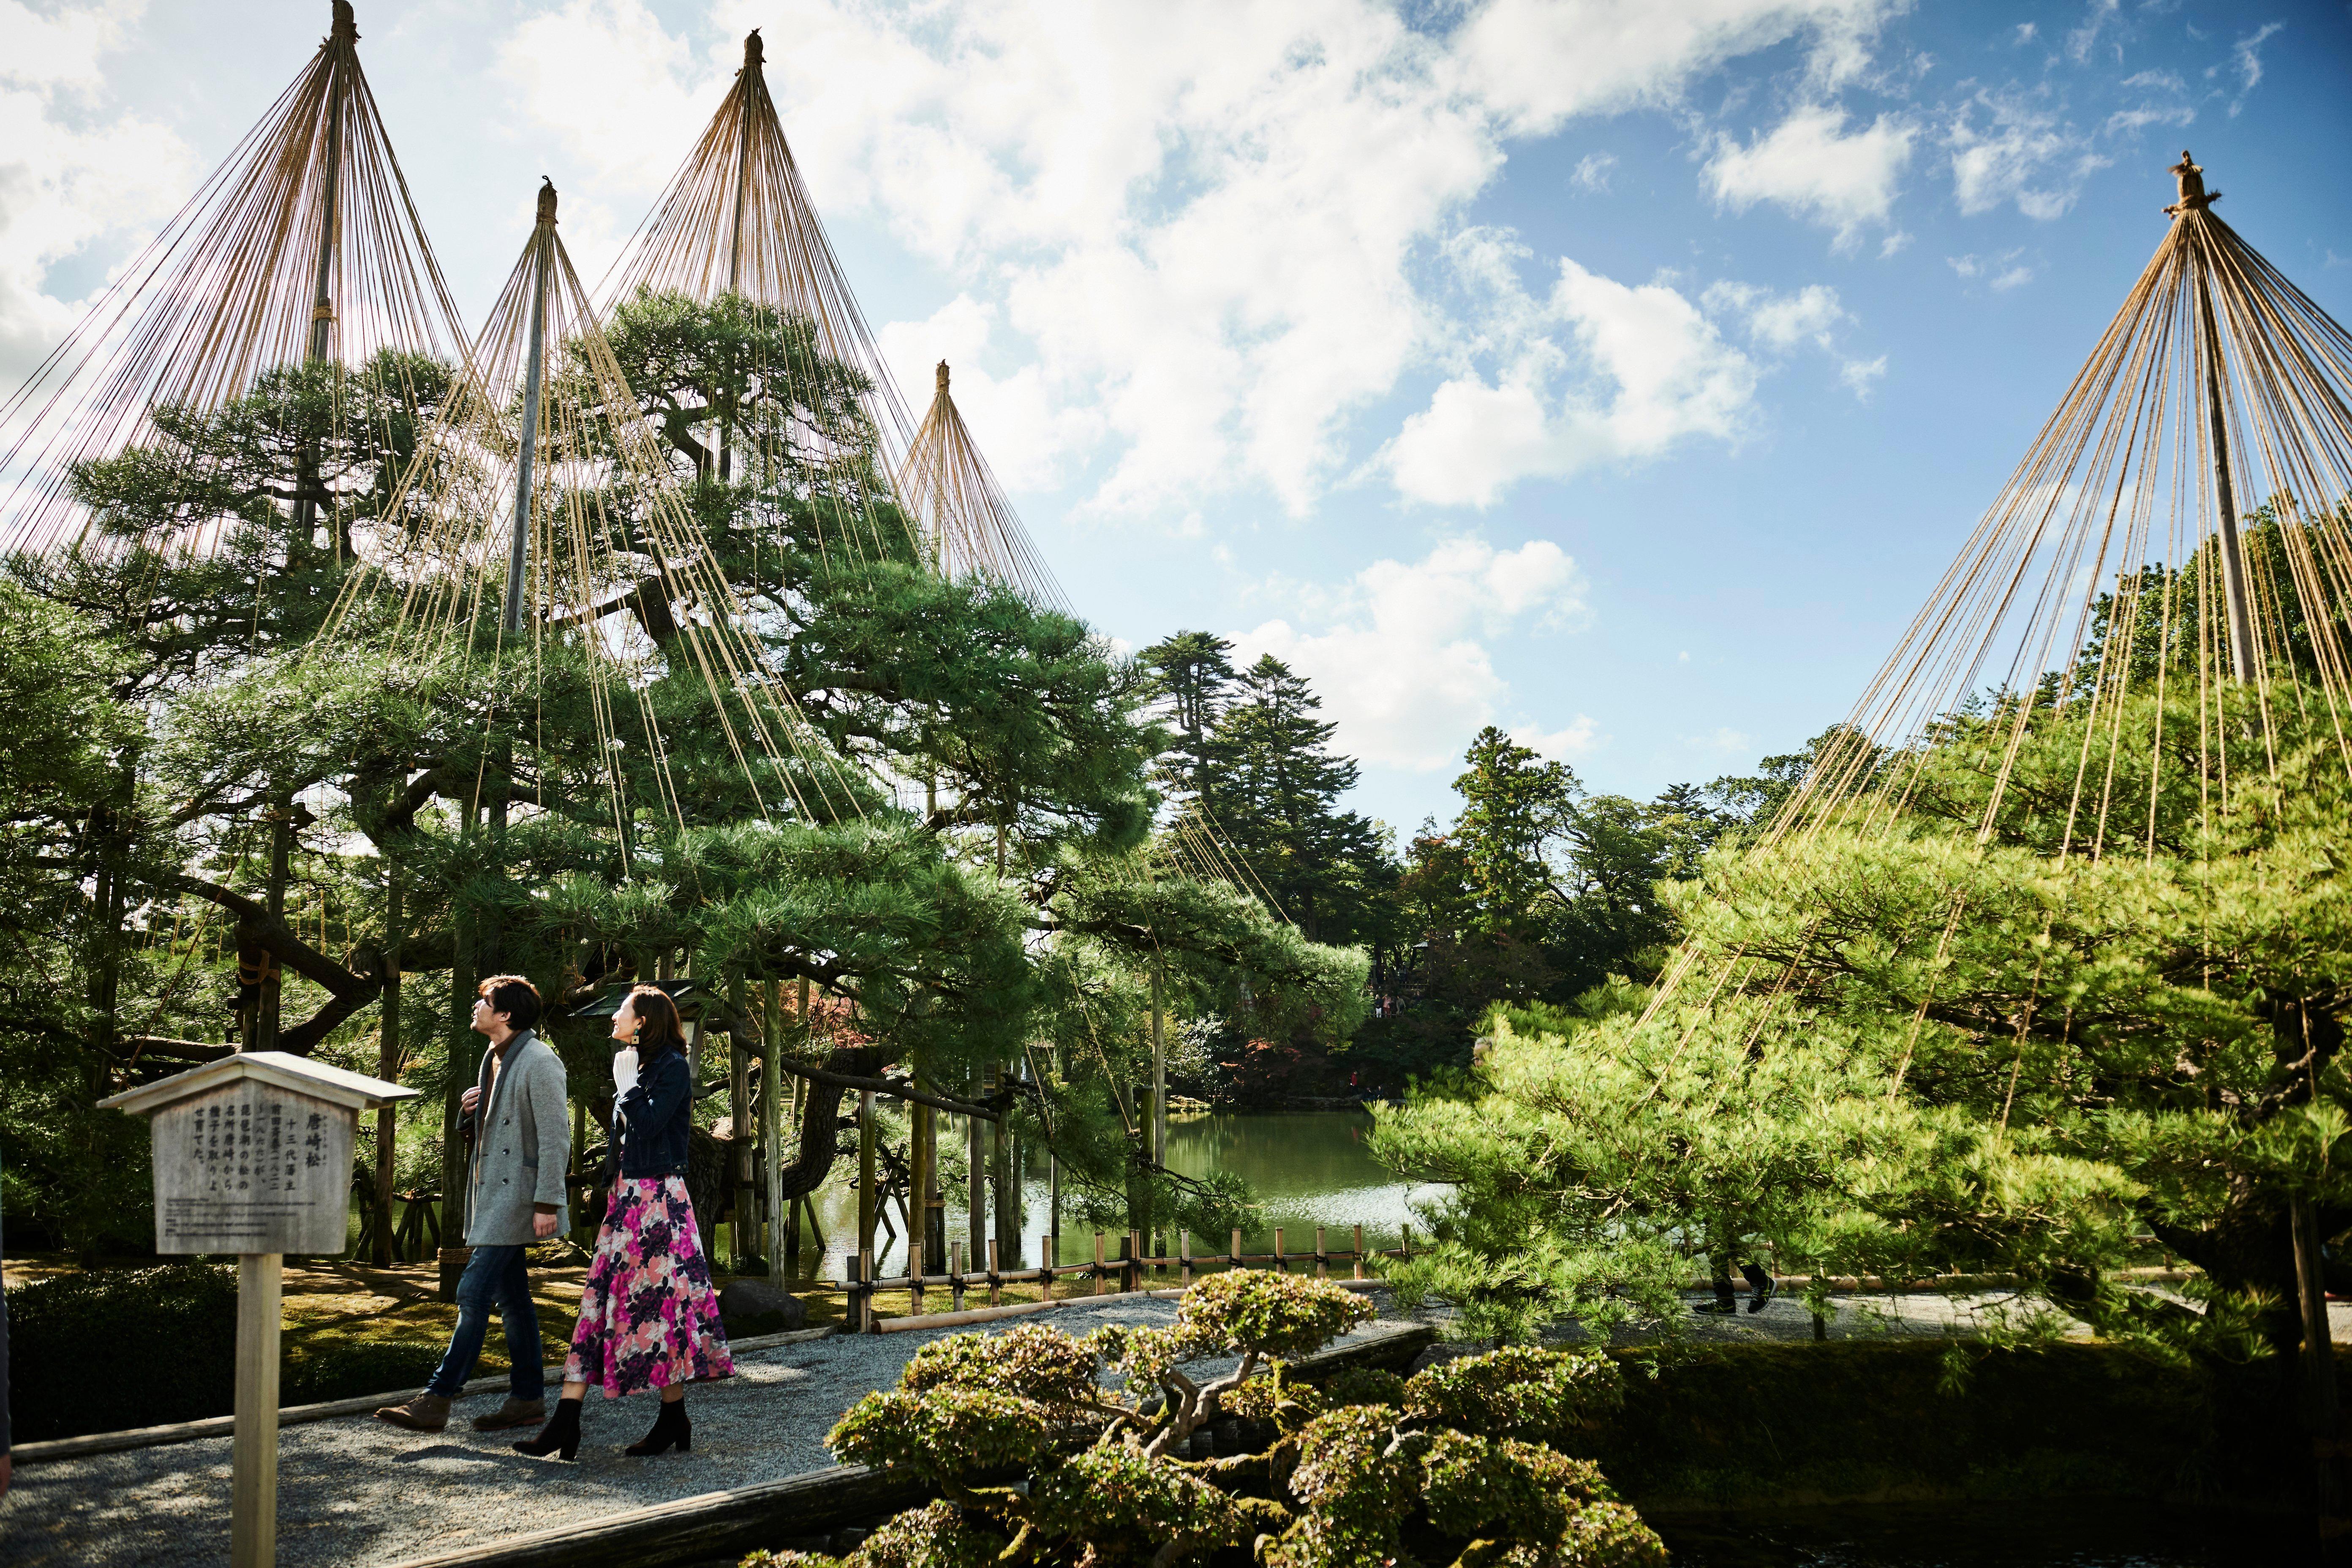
<point x="1307" y="1169"/>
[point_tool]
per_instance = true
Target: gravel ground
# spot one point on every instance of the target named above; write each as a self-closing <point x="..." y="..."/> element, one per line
<point x="356" y="1491"/>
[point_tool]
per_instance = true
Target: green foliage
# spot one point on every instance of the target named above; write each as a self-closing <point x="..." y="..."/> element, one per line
<point x="950" y="1435"/>
<point x="1515" y="1392"/>
<point x="1934" y="1054"/>
<point x="168" y="1336"/>
<point x="1117" y="1504"/>
<point x="1484" y="1486"/>
<point x="1364" y="1385"/>
<point x="936" y="1535"/>
<point x="1032" y="1361"/>
<point x="1266" y="1314"/>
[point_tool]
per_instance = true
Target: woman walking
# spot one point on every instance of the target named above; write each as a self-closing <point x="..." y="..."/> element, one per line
<point x="647" y="1316"/>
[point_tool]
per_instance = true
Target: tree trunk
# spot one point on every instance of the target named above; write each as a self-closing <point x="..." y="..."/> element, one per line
<point x="387" y="1062"/>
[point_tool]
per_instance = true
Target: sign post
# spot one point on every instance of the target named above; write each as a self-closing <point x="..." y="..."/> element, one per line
<point x="252" y="1155"/>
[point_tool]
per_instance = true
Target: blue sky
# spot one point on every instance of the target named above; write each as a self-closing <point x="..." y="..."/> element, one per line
<point x="1620" y="373"/>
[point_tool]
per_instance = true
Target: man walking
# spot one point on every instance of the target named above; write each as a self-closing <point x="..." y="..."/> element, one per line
<point x="521" y="1147"/>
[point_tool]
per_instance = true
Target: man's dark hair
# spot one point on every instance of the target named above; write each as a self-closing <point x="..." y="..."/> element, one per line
<point x="516" y="997"/>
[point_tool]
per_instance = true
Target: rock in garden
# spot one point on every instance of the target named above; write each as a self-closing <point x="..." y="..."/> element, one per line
<point x="755" y="1307"/>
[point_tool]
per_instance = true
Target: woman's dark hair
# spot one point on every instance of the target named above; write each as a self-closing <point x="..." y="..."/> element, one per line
<point x="516" y="997"/>
<point x="658" y="1014"/>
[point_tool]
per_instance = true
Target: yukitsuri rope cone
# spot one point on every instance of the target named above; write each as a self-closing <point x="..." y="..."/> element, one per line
<point x="967" y="525"/>
<point x="541" y="522"/>
<point x="2168" y="569"/>
<point x="302" y="245"/>
<point x="736" y="223"/>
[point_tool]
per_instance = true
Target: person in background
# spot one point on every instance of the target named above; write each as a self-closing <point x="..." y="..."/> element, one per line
<point x="648" y="1315"/>
<point x="522" y="1137"/>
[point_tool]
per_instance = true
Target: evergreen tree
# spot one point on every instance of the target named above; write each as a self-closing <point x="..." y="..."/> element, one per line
<point x="1277" y="790"/>
<point x="1190" y="676"/>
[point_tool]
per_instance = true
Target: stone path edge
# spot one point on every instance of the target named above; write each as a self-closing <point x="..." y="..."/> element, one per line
<point x="296" y="1414"/>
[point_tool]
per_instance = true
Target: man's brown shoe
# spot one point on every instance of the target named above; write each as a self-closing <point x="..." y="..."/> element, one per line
<point x="425" y="1412"/>
<point x="513" y="1413"/>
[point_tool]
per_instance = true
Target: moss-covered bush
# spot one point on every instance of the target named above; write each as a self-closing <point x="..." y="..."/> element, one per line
<point x="1050" y="1449"/>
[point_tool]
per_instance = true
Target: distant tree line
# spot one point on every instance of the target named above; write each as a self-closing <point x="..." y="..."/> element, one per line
<point x="1538" y="890"/>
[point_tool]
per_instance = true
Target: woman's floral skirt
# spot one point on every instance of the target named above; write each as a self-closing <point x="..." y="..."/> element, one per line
<point x="648" y="1315"/>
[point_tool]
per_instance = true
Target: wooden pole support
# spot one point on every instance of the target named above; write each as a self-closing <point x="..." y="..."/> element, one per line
<point x="1099" y="1263"/>
<point x="1281" y="1264"/>
<point x="1046" y="1260"/>
<point x="1360" y="1252"/>
<point x="1233" y="1257"/>
<point x="253" y="1518"/>
<point x="955" y="1275"/>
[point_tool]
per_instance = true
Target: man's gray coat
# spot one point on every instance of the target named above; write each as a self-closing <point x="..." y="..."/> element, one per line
<point x="522" y="1145"/>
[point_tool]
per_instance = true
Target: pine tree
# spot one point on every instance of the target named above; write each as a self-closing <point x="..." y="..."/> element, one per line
<point x="1191" y="677"/>
<point x="1277" y="786"/>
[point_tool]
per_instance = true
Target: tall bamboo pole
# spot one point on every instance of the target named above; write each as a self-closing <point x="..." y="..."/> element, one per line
<point x="543" y="262"/>
<point x="322" y="303"/>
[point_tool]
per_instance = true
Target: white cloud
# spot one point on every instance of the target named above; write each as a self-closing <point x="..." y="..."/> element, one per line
<point x="1400" y="653"/>
<point x="1541" y="62"/>
<point x="2001" y="273"/>
<point x="1811" y="165"/>
<point x="1779" y="323"/>
<point x="2163" y="100"/>
<point x="1593" y="172"/>
<point x="1581" y="737"/>
<point x="1722" y="739"/>
<point x="1862" y="376"/>
<point x="70" y="173"/>
<point x="2026" y="32"/>
<point x="2085" y="38"/>
<point x="1598" y="372"/>
<point x="2247" y="53"/>
<point x="1027" y="436"/>
<point x="2026" y="155"/>
<point x="1205" y="224"/>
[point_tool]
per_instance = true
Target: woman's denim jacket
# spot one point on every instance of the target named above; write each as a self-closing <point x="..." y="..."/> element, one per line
<point x="651" y="1130"/>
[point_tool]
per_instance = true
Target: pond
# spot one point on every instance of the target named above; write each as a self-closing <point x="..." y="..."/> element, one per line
<point x="1307" y="1168"/>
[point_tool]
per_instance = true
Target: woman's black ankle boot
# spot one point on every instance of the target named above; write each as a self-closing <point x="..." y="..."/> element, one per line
<point x="559" y="1436"/>
<point x="670" y="1426"/>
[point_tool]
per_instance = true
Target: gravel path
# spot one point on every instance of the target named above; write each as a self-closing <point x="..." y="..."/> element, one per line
<point x="354" y="1490"/>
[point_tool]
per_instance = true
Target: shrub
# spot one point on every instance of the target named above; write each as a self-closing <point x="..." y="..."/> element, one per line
<point x="351" y="1369"/>
<point x="938" y="1535"/>
<point x="117" y="1348"/>
<point x="1364" y="1385"/>
<point x="1352" y="1470"/>
<point x="1276" y="1315"/>
<point x="1518" y="1392"/>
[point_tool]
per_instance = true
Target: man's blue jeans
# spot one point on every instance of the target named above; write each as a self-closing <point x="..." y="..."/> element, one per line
<point x="494" y="1277"/>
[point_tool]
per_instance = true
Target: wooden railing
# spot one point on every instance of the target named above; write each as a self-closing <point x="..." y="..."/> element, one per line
<point x="1127" y="1272"/>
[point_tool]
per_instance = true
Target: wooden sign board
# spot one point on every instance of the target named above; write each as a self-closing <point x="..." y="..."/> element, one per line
<point x="252" y="1167"/>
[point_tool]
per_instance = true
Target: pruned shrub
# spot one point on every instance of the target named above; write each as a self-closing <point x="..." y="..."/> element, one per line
<point x="1356" y="1472"/>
